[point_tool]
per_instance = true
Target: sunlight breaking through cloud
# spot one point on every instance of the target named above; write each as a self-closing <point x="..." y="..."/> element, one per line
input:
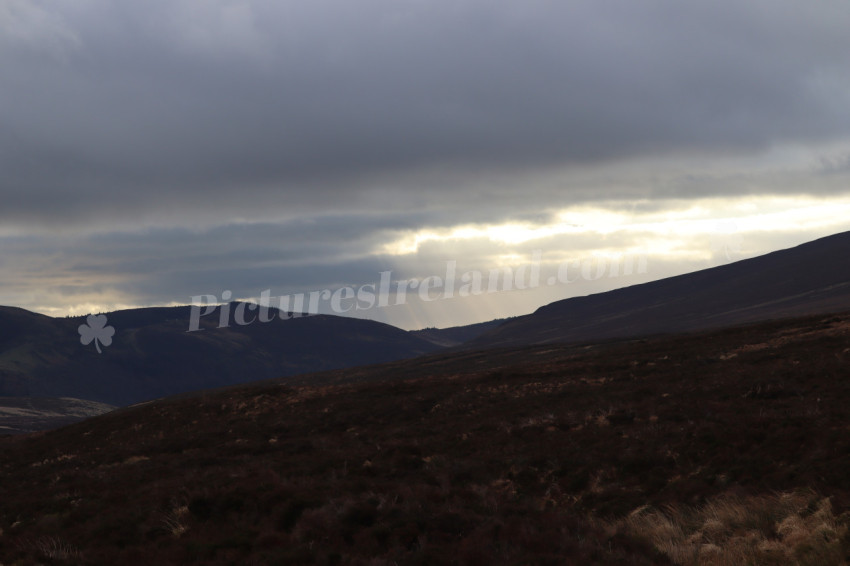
<point x="671" y="231"/>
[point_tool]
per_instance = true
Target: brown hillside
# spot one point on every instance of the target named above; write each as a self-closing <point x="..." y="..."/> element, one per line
<point x="523" y="456"/>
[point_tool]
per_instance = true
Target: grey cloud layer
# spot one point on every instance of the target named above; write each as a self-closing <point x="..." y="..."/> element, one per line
<point x="153" y="151"/>
<point x="241" y="106"/>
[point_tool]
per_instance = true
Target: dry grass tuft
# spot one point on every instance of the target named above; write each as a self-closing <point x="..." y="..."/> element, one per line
<point x="174" y="521"/>
<point x="53" y="549"/>
<point x="784" y="529"/>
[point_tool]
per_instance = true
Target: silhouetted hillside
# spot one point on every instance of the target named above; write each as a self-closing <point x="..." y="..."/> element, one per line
<point x="153" y="355"/>
<point x="808" y="279"/>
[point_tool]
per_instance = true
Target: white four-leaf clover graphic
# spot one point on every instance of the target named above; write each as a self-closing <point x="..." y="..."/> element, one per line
<point x="96" y="330"/>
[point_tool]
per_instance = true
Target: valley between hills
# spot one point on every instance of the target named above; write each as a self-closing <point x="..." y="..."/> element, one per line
<point x="701" y="419"/>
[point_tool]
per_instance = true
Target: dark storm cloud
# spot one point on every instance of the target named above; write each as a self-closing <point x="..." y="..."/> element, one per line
<point x="133" y="109"/>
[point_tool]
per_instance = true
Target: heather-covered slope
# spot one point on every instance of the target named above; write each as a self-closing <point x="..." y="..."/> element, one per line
<point x="808" y="279"/>
<point x="536" y="455"/>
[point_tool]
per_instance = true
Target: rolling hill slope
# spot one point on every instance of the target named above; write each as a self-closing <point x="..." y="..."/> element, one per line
<point x="533" y="455"/>
<point x="152" y="354"/>
<point x="808" y="279"/>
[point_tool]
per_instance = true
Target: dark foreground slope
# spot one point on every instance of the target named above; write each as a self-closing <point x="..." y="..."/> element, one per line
<point x="808" y="279"/>
<point x="535" y="455"/>
<point x="153" y="355"/>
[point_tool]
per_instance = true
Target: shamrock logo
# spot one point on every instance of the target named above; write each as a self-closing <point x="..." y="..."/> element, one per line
<point x="96" y="330"/>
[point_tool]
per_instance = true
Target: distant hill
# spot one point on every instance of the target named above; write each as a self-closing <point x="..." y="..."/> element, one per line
<point x="809" y="279"/>
<point x="457" y="335"/>
<point x="30" y="414"/>
<point x="152" y="354"/>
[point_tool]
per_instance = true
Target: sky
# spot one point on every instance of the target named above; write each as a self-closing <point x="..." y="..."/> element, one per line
<point x="169" y="152"/>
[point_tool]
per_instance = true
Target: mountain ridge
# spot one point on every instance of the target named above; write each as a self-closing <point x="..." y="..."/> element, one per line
<point x="152" y="355"/>
<point x="810" y="278"/>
